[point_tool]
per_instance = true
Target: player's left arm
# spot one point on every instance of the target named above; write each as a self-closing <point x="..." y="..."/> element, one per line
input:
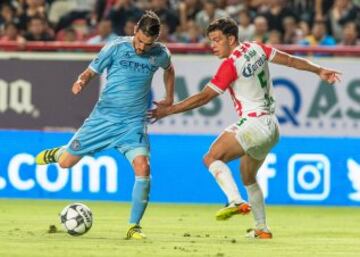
<point x="169" y="82"/>
<point x="328" y="75"/>
<point x="82" y="81"/>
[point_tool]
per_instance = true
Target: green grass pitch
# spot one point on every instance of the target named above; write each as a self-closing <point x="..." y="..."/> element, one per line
<point x="177" y="230"/>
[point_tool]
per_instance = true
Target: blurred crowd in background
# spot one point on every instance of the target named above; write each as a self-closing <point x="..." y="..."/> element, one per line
<point x="302" y="22"/>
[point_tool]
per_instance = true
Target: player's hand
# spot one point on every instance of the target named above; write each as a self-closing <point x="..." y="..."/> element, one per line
<point x="158" y="113"/>
<point x="330" y="76"/>
<point x="77" y="87"/>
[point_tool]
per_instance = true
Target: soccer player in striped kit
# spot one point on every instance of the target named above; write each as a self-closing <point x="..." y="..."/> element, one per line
<point x="245" y="74"/>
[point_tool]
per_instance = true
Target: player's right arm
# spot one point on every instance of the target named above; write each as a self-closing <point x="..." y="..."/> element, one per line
<point x="102" y="61"/>
<point x="82" y="81"/>
<point x="328" y="75"/>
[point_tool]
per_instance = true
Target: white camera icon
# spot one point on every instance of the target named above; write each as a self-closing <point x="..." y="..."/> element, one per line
<point x="301" y="167"/>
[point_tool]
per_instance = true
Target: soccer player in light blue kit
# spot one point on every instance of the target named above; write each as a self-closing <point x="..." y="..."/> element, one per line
<point x="118" y="119"/>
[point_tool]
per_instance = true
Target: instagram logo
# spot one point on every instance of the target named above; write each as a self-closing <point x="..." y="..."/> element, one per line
<point x="309" y="177"/>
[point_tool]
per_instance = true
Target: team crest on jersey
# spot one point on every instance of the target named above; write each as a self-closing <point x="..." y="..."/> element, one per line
<point x="152" y="60"/>
<point x="127" y="55"/>
<point x="75" y="145"/>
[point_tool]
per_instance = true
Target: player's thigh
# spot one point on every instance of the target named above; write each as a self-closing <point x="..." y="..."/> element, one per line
<point x="96" y="134"/>
<point x="67" y="160"/>
<point x="256" y="136"/>
<point x="134" y="141"/>
<point x="225" y="148"/>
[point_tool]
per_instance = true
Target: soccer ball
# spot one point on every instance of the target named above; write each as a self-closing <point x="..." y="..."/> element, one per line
<point x="76" y="218"/>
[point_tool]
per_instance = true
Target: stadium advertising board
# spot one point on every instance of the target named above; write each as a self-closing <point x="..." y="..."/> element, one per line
<point x="36" y="94"/>
<point x="298" y="171"/>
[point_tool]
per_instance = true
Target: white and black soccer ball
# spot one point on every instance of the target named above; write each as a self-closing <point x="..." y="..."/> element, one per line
<point x="76" y="218"/>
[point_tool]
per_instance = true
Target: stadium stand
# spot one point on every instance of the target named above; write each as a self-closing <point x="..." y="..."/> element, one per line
<point x="294" y="23"/>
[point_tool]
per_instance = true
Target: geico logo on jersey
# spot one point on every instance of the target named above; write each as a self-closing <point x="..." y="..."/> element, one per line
<point x="17" y="96"/>
<point x="52" y="178"/>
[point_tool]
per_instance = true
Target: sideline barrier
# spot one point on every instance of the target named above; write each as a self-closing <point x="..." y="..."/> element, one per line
<point x="298" y="171"/>
<point x="175" y="48"/>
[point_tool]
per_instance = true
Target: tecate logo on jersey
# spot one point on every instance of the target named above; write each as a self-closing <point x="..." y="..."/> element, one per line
<point x="24" y="175"/>
<point x="17" y="96"/>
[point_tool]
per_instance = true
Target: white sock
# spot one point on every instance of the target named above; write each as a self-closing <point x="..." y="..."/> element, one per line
<point x="59" y="153"/>
<point x="256" y="200"/>
<point x="225" y="180"/>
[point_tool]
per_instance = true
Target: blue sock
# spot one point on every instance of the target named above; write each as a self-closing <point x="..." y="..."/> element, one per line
<point x="140" y="198"/>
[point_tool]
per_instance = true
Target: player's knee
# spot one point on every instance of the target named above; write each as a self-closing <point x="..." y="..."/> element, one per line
<point x="208" y="159"/>
<point x="141" y="167"/>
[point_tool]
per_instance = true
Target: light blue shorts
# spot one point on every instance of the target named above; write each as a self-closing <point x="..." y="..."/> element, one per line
<point x="97" y="134"/>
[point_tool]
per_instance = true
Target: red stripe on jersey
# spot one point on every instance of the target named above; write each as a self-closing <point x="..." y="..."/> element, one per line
<point x="237" y="53"/>
<point x="237" y="103"/>
<point x="244" y="49"/>
<point x="267" y="49"/>
<point x="225" y="75"/>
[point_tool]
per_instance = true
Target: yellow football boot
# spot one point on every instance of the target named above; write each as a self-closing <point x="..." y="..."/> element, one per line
<point x="135" y="232"/>
<point x="46" y="156"/>
<point x="231" y="210"/>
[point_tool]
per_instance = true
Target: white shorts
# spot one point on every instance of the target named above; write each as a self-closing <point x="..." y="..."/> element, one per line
<point x="256" y="135"/>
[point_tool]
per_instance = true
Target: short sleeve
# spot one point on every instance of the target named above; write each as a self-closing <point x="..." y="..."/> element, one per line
<point x="224" y="77"/>
<point x="269" y="51"/>
<point x="165" y="58"/>
<point x="104" y="59"/>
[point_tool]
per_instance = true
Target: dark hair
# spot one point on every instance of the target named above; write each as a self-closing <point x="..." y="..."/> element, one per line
<point x="226" y="25"/>
<point x="149" y="24"/>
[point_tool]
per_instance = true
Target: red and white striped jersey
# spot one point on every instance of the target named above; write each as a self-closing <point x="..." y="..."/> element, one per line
<point x="246" y="74"/>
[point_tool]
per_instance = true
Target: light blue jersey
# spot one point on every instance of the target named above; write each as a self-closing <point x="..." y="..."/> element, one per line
<point x="119" y="117"/>
<point x="127" y="90"/>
